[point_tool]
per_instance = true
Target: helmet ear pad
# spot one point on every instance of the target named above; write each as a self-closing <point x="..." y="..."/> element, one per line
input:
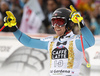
<point x="69" y="25"/>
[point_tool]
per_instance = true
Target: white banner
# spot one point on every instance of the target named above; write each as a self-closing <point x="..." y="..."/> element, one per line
<point x="32" y="17"/>
<point x="35" y="6"/>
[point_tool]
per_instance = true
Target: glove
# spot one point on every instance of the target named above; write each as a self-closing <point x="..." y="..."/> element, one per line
<point x="75" y="16"/>
<point x="10" y="21"/>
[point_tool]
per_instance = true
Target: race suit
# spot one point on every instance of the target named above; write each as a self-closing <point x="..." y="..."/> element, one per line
<point x="65" y="52"/>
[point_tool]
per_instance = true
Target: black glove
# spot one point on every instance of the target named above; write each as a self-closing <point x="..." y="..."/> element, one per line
<point x="10" y="21"/>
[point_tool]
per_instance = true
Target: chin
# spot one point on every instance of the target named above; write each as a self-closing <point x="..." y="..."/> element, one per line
<point x="59" y="34"/>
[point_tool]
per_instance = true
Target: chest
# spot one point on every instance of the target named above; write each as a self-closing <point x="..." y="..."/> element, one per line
<point x="61" y="49"/>
<point x="64" y="53"/>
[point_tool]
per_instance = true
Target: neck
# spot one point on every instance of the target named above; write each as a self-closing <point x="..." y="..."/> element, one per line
<point x="68" y="32"/>
<point x="65" y="34"/>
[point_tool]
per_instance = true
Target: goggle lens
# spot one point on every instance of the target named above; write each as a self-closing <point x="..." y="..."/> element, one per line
<point x="58" y="21"/>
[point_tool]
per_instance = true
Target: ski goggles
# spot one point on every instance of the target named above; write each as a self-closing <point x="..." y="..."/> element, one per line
<point x="58" y="22"/>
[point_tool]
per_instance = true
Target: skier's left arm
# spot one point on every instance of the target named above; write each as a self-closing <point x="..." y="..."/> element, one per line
<point x="88" y="38"/>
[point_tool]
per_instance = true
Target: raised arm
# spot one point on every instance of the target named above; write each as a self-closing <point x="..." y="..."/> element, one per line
<point x="88" y="38"/>
<point x="30" y="42"/>
<point x="10" y="21"/>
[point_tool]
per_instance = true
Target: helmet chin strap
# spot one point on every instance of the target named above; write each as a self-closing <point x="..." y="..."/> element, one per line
<point x="68" y="27"/>
<point x="66" y="31"/>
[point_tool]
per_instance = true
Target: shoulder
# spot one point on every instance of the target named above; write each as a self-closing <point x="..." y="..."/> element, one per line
<point x="75" y="37"/>
<point x="49" y="38"/>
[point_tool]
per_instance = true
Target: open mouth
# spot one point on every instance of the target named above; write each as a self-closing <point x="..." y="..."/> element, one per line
<point x="58" y="30"/>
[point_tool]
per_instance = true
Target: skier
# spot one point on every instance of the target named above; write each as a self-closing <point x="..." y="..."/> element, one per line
<point x="65" y="48"/>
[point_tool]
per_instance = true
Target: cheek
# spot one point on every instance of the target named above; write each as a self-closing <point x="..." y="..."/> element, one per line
<point x="63" y="29"/>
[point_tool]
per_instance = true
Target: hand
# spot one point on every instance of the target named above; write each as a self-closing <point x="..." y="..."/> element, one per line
<point x="10" y="20"/>
<point x="75" y="16"/>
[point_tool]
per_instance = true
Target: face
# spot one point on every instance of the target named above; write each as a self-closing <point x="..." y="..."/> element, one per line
<point x="4" y="6"/>
<point x="59" y="30"/>
<point x="59" y="26"/>
<point x="51" y="5"/>
<point x="65" y="3"/>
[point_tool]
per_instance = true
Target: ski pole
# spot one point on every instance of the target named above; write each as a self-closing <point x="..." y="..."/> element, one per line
<point x="88" y="65"/>
<point x="2" y="28"/>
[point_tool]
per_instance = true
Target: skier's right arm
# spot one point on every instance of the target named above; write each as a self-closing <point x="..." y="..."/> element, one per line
<point x="10" y="21"/>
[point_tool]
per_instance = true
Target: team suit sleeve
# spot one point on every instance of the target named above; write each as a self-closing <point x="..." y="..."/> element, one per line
<point x="88" y="38"/>
<point x="30" y="42"/>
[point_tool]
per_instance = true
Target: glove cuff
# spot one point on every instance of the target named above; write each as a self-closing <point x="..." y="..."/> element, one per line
<point x="13" y="28"/>
<point x="82" y="24"/>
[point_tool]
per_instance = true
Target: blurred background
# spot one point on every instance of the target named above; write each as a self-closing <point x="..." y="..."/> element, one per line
<point x="34" y="18"/>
